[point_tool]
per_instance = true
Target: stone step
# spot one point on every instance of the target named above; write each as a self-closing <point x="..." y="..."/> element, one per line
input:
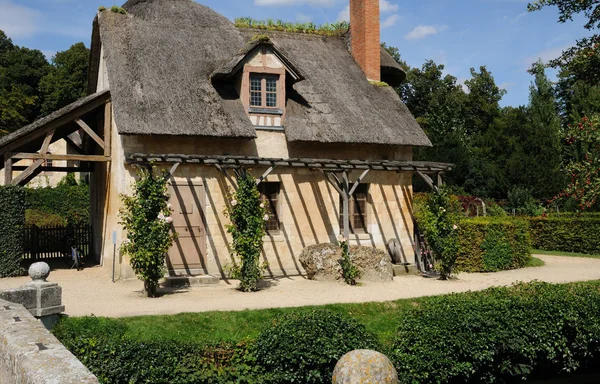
<point x="405" y="269"/>
<point x="191" y="281"/>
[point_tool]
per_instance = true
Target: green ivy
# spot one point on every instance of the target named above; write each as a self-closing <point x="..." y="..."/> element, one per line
<point x="12" y="221"/>
<point x="349" y="271"/>
<point x="247" y="215"/>
<point x="438" y="215"/>
<point x="567" y="233"/>
<point x="146" y="216"/>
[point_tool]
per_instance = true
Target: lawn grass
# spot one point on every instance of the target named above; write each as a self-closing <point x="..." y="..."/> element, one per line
<point x="382" y="319"/>
<point x="535" y="262"/>
<point x="207" y="327"/>
<point x="560" y="253"/>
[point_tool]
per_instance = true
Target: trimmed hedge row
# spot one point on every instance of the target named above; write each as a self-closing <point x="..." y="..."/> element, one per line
<point x="12" y="220"/>
<point x="300" y="347"/>
<point x="492" y="244"/>
<point x="566" y="234"/>
<point x="529" y="331"/>
<point x="500" y="335"/>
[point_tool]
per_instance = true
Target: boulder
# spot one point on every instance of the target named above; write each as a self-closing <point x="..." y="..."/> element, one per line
<point x="321" y="262"/>
<point x="364" y="366"/>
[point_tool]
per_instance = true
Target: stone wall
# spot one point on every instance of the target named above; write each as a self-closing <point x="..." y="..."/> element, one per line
<point x="29" y="354"/>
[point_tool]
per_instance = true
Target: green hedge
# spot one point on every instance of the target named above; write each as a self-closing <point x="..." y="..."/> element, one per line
<point x="530" y="331"/>
<point x="492" y="244"/>
<point x="12" y="221"/>
<point x="69" y="202"/>
<point x="568" y="234"/>
<point x="301" y="347"/>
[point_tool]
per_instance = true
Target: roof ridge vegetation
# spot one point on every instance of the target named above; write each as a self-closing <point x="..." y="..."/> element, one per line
<point x="326" y="29"/>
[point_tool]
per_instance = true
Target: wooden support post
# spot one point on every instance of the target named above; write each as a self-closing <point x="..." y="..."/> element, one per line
<point x="224" y="172"/>
<point x="107" y="128"/>
<point x="346" y="210"/>
<point x="73" y="144"/>
<point x="90" y="132"/>
<point x="8" y="164"/>
<point x="47" y="141"/>
<point x="357" y="183"/>
<point x="427" y="180"/>
<point x="267" y="173"/>
<point x="173" y="169"/>
<point x="36" y="156"/>
<point x="440" y="182"/>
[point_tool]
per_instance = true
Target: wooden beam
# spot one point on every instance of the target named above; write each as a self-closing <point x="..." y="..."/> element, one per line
<point x="8" y="168"/>
<point x="357" y="183"/>
<point x="67" y="118"/>
<point x="48" y="156"/>
<point x="47" y="141"/>
<point x="224" y="172"/>
<point x="173" y="169"/>
<point x="440" y="182"/>
<point x="90" y="132"/>
<point x="335" y="186"/>
<point x="267" y="173"/>
<point x="346" y="208"/>
<point x="427" y="180"/>
<point x="56" y="169"/>
<point x="107" y="128"/>
<point x="28" y="174"/>
<point x="73" y="144"/>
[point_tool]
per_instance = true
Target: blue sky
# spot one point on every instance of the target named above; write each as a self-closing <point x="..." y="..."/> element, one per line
<point x="458" y="33"/>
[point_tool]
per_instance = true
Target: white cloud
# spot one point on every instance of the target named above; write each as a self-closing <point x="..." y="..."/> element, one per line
<point x="507" y="85"/>
<point x="423" y="31"/>
<point x="295" y="2"/>
<point x="344" y="14"/>
<point x="18" y="21"/>
<point x="386" y="6"/>
<point x="545" y="55"/>
<point x="390" y="21"/>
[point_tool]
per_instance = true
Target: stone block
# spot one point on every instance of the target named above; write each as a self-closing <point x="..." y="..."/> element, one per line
<point x="26" y="297"/>
<point x="50" y="297"/>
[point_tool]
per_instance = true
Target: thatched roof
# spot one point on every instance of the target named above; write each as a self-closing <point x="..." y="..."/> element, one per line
<point x="162" y="55"/>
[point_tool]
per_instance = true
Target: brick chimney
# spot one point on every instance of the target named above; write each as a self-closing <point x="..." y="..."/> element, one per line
<point x="365" y="36"/>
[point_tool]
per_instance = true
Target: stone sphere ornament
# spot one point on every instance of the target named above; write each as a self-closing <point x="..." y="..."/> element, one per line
<point x="366" y="367"/>
<point x="39" y="272"/>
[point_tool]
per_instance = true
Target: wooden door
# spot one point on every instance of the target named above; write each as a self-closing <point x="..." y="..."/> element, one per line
<point x="187" y="255"/>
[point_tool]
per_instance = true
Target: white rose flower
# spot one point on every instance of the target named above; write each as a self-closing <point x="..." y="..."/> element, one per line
<point x="170" y="207"/>
<point x="455" y="227"/>
<point x="126" y="241"/>
<point x="169" y="219"/>
<point x="161" y="216"/>
<point x="233" y="203"/>
<point x="266" y="218"/>
<point x="341" y="239"/>
<point x="262" y="205"/>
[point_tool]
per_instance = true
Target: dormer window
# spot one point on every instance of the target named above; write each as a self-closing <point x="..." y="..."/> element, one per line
<point x="263" y="91"/>
<point x="261" y="76"/>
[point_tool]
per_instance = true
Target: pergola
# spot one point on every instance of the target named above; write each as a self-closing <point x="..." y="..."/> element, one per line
<point x="90" y="117"/>
<point x="336" y="172"/>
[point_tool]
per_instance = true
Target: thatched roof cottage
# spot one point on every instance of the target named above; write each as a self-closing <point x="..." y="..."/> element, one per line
<point x="174" y="83"/>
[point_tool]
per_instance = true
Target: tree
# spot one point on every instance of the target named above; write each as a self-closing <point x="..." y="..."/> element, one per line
<point x="584" y="169"/>
<point x="483" y="101"/>
<point x="21" y="70"/>
<point x="67" y="79"/>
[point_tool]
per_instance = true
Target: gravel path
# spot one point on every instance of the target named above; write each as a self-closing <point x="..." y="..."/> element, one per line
<point x="91" y="291"/>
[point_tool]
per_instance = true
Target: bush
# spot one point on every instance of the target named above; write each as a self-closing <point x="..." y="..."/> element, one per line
<point x="12" y="221"/>
<point x="115" y="358"/>
<point x="492" y="244"/>
<point x="566" y="234"/>
<point x="303" y="347"/>
<point x="43" y="219"/>
<point x="500" y="335"/>
<point x="70" y="202"/>
<point x="437" y="215"/>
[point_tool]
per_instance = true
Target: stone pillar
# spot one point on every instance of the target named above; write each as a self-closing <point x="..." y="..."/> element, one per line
<point x="41" y="298"/>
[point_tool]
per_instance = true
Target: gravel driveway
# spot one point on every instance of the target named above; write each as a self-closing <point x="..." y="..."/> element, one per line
<point x="91" y="291"/>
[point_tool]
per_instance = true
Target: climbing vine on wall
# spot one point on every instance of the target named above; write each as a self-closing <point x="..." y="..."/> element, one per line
<point x="146" y="216"/>
<point x="248" y="216"/>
